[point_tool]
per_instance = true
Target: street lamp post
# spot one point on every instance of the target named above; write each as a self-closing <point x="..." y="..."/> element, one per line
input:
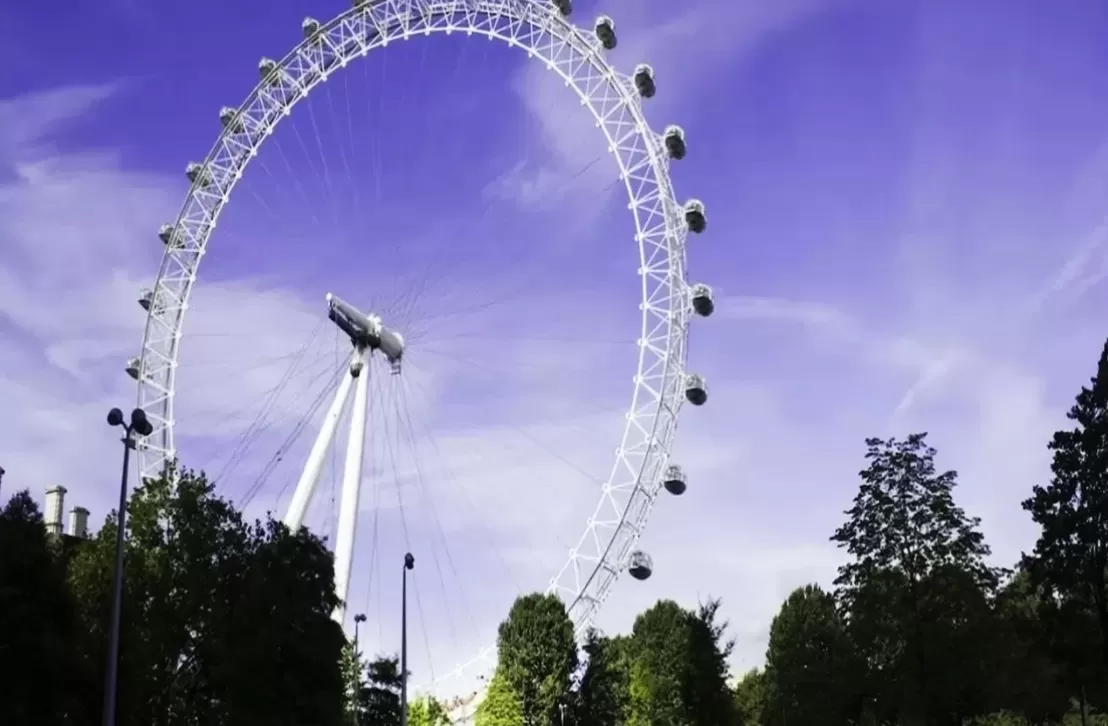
<point x="358" y="620"/>
<point x="139" y="426"/>
<point x="409" y="563"/>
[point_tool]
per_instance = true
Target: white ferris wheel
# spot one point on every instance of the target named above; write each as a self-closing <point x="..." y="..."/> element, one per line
<point x="378" y="347"/>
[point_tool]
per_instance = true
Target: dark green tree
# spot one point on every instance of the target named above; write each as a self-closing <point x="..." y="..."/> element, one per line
<point x="218" y="615"/>
<point x="602" y="691"/>
<point x="274" y="631"/>
<point x="537" y="654"/>
<point x="750" y="698"/>
<point x="678" y="673"/>
<point x="810" y="665"/>
<point x="1071" y="555"/>
<point x="379" y="700"/>
<point x="659" y="657"/>
<point x="1027" y="677"/>
<point x="708" y="699"/>
<point x="916" y="587"/>
<point x="38" y="623"/>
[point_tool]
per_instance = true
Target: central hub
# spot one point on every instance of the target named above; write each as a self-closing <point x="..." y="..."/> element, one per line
<point x="366" y="330"/>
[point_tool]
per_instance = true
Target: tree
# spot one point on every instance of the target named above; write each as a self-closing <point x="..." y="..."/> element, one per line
<point x="750" y="698"/>
<point x="678" y="672"/>
<point x="501" y="706"/>
<point x="917" y="586"/>
<point x="1071" y="555"/>
<point x="37" y="622"/>
<point x="218" y="615"/>
<point x="1027" y="678"/>
<point x="601" y="697"/>
<point x="427" y="711"/>
<point x="809" y="662"/>
<point x="537" y="654"/>
<point x="708" y="700"/>
<point x="353" y="679"/>
<point x="659" y="653"/>
<point x="379" y="701"/>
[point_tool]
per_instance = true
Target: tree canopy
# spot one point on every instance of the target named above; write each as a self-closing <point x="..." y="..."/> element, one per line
<point x="1070" y="558"/>
<point x="809" y="662"/>
<point x="537" y="656"/>
<point x="228" y="622"/>
<point x="40" y="671"/>
<point x="220" y="614"/>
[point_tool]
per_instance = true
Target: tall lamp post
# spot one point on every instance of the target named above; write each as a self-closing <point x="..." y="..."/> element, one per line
<point x="138" y="426"/>
<point x="358" y="620"/>
<point x="409" y="563"/>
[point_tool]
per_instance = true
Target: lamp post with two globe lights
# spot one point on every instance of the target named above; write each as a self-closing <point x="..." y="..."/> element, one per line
<point x="137" y="426"/>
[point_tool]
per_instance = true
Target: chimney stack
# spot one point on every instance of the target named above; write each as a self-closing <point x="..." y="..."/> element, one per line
<point x="55" y="506"/>
<point x="78" y="523"/>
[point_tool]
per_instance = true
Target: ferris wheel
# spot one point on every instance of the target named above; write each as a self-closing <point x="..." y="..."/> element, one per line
<point x="378" y="347"/>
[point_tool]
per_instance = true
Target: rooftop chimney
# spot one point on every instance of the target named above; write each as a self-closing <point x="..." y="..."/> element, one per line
<point x="78" y="523"/>
<point x="55" y="506"/>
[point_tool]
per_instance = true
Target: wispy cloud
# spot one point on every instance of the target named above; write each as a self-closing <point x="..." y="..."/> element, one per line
<point x="685" y="49"/>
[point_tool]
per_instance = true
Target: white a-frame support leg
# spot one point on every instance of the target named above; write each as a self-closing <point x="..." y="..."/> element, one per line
<point x="305" y="488"/>
<point x="351" y="486"/>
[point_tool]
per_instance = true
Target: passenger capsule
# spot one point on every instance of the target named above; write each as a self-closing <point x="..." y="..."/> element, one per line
<point x="165" y="233"/>
<point x="674" y="480"/>
<point x="694" y="216"/>
<point x="267" y="68"/>
<point x="309" y="27"/>
<point x="133" y="368"/>
<point x="644" y="81"/>
<point x="229" y="117"/>
<point x="696" y="389"/>
<point x="606" y="32"/>
<point x="565" y="7"/>
<point x="674" y="137"/>
<point x="702" y="300"/>
<point x="196" y="172"/>
<point x="146" y="299"/>
<point x="640" y="566"/>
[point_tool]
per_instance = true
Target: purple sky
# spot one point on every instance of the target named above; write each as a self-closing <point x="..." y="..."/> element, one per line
<point x="907" y="231"/>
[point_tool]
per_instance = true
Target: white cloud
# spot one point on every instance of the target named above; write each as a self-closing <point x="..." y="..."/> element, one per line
<point x="686" y="46"/>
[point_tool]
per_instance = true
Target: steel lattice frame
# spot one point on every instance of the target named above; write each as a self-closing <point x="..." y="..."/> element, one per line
<point x="575" y="55"/>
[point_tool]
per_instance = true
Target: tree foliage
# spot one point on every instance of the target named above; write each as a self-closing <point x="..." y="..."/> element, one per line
<point x="426" y="711"/>
<point x="227" y="623"/>
<point x="810" y="665"/>
<point x="379" y="701"/>
<point x="537" y="655"/>
<point x="38" y="623"/>
<point x="501" y="706"/>
<point x="601" y="697"/>
<point x="221" y="614"/>
<point x="678" y="667"/>
<point x="1070" y="558"/>
<point x="916" y="585"/>
<point x="750" y="698"/>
